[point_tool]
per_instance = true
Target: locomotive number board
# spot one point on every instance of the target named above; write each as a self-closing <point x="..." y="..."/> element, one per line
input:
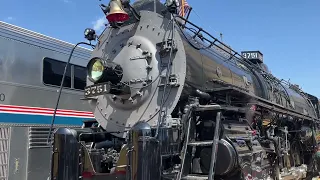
<point x="97" y="89"/>
<point x="252" y="55"/>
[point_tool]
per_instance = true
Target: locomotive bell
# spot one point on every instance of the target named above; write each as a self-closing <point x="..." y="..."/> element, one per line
<point x="117" y="13"/>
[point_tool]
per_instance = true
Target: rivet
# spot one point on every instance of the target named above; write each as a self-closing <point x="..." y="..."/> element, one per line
<point x="153" y="29"/>
<point x="145" y="52"/>
<point x="130" y="99"/>
<point x="140" y="27"/>
<point x="105" y="114"/>
<point x="139" y="93"/>
<point x="158" y="34"/>
<point x="110" y="119"/>
<point x="123" y="124"/>
<point x="147" y="26"/>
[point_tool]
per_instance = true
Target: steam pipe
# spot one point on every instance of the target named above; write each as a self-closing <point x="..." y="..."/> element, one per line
<point x="61" y="85"/>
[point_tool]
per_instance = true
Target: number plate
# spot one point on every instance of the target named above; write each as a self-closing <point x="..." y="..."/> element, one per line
<point x="252" y="55"/>
<point x="97" y="89"/>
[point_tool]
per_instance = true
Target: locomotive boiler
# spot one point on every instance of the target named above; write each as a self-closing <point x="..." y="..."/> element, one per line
<point x="173" y="102"/>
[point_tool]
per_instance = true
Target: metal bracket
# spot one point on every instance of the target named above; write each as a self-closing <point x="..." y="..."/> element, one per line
<point x="172" y="81"/>
<point x="165" y="47"/>
<point x="172" y="122"/>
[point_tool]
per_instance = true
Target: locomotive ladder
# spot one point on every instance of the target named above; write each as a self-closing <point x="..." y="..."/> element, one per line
<point x="214" y="143"/>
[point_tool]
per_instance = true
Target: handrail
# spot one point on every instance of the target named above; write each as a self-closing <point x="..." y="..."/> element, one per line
<point x="233" y="54"/>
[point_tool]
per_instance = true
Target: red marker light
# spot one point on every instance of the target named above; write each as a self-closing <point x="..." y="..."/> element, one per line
<point x="254" y="132"/>
<point x="120" y="172"/>
<point x="253" y="108"/>
<point x="117" y="17"/>
<point x="87" y="174"/>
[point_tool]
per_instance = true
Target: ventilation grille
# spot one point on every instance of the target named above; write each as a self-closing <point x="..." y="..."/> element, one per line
<point x="4" y="148"/>
<point x="38" y="137"/>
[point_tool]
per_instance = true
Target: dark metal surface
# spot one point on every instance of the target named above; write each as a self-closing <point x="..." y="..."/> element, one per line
<point x="65" y="157"/>
<point x="169" y="139"/>
<point x="96" y="158"/>
<point x="250" y="154"/>
<point x="226" y="158"/>
<point x="201" y="65"/>
<point x="234" y="153"/>
<point x="144" y="157"/>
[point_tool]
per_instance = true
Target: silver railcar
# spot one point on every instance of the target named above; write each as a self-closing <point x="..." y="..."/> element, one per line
<point x="31" y="69"/>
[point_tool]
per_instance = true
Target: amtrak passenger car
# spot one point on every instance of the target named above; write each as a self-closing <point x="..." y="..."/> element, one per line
<point x="31" y="69"/>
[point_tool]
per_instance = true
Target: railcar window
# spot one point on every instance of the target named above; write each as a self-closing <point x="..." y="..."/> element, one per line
<point x="53" y="72"/>
<point x="80" y="77"/>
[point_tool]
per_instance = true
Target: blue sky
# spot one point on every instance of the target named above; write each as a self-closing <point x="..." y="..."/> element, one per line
<point x="287" y="32"/>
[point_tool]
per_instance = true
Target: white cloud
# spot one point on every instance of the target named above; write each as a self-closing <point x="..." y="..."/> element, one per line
<point x="10" y="18"/>
<point x="66" y="1"/>
<point x="99" y="24"/>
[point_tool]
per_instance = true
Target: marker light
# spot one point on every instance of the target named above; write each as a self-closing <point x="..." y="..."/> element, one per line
<point x="87" y="174"/>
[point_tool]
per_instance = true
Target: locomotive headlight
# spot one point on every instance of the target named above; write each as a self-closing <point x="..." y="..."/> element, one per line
<point x="100" y="71"/>
<point x="95" y="69"/>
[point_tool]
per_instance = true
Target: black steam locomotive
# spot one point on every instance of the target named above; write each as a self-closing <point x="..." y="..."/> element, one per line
<point x="173" y="102"/>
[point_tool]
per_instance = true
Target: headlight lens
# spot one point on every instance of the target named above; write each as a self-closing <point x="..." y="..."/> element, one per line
<point x="95" y="69"/>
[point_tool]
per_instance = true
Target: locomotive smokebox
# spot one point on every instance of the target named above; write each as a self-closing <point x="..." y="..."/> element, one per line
<point x="128" y="76"/>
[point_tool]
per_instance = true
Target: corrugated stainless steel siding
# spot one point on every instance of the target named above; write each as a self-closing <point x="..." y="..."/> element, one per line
<point x="4" y="152"/>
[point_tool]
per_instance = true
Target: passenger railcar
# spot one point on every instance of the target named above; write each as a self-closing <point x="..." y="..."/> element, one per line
<point x="31" y="68"/>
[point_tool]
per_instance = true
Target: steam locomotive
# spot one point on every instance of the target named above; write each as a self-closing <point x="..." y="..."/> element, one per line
<point x="173" y="102"/>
